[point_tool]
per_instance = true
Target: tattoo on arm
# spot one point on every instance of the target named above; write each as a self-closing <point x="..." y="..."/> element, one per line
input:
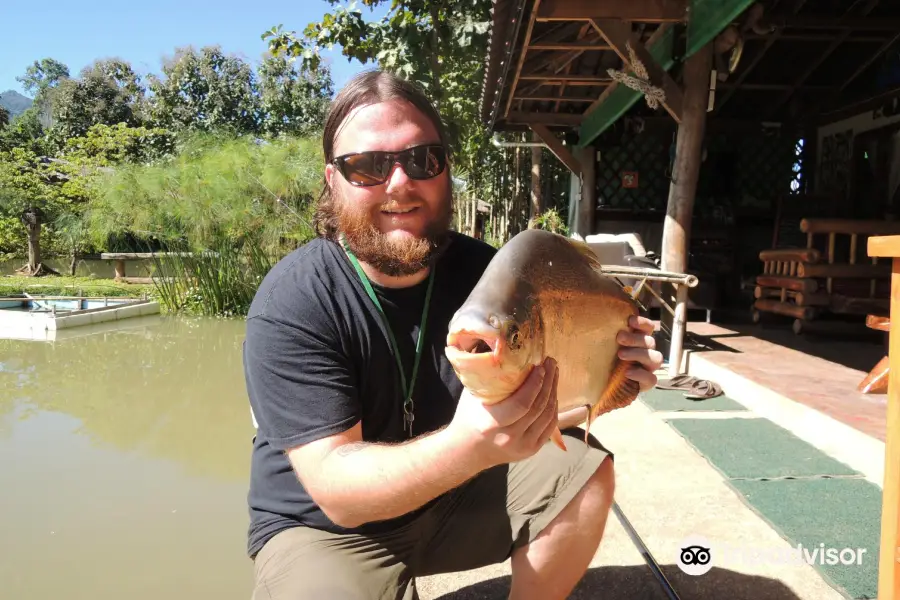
<point x="350" y="448"/>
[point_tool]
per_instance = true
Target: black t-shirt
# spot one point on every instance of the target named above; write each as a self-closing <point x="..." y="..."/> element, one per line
<point x="317" y="360"/>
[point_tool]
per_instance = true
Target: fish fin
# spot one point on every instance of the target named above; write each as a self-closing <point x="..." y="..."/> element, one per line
<point x="590" y="255"/>
<point x="620" y="392"/>
<point x="557" y="439"/>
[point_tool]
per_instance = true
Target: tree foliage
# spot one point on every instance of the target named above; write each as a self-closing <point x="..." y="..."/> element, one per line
<point x="108" y="119"/>
<point x="438" y="44"/>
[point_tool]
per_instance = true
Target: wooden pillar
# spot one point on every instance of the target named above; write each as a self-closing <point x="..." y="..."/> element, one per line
<point x="585" y="221"/>
<point x="682" y="189"/>
<point x="536" y="207"/>
<point x="888" y="247"/>
<point x="120" y="268"/>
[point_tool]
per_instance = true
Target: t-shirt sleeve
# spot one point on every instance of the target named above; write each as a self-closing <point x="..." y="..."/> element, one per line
<point x="300" y="382"/>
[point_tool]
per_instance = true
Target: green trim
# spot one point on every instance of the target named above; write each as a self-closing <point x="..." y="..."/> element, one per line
<point x="623" y="97"/>
<point x="708" y="19"/>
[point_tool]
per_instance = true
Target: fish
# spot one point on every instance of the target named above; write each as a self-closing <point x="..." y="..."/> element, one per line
<point x="543" y="294"/>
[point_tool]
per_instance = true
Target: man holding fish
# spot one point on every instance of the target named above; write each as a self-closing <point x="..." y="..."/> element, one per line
<point x="375" y="461"/>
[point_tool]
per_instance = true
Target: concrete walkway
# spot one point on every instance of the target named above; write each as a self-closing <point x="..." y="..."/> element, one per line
<point x="668" y="492"/>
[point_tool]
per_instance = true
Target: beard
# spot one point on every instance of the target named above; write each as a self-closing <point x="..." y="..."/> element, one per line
<point x="393" y="256"/>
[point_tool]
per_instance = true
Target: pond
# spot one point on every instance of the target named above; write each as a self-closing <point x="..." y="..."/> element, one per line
<point x="124" y="462"/>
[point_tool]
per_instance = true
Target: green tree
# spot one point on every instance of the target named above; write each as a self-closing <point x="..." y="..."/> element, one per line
<point x="43" y="190"/>
<point x="107" y="92"/>
<point x="205" y="90"/>
<point x="292" y="100"/>
<point x="438" y="44"/>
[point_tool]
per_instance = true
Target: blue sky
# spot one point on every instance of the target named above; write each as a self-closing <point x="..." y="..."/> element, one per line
<point x="77" y="33"/>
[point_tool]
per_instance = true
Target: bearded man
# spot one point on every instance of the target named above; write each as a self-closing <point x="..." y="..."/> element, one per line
<point x="372" y="465"/>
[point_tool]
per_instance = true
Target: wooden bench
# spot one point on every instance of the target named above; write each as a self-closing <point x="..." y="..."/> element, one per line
<point x="121" y="257"/>
<point x="806" y="283"/>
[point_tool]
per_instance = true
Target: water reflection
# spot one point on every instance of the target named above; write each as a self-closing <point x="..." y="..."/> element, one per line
<point x="125" y="458"/>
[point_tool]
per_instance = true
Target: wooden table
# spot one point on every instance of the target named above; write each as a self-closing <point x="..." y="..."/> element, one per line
<point x="888" y="247"/>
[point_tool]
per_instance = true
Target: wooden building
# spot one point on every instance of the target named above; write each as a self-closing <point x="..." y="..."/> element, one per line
<point x="706" y="126"/>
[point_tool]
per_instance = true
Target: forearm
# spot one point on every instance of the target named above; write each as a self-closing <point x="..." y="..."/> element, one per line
<point x="364" y="482"/>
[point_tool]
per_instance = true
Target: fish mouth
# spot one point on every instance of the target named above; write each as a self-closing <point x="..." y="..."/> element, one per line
<point x="469" y="345"/>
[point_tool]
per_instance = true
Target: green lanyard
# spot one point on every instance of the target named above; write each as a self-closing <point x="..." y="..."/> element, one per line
<point x="407" y="387"/>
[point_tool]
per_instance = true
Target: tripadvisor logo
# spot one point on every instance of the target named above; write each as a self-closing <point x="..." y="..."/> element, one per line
<point x="697" y="555"/>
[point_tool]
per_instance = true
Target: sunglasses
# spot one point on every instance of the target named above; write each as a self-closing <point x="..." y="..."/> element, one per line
<point x="365" y="169"/>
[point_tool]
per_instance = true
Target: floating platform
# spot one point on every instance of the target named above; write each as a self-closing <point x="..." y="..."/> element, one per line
<point x="32" y="317"/>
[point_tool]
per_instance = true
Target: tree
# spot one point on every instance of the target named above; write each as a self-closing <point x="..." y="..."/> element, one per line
<point x="438" y="44"/>
<point x="205" y="90"/>
<point x="39" y="189"/>
<point x="108" y="92"/>
<point x="292" y="101"/>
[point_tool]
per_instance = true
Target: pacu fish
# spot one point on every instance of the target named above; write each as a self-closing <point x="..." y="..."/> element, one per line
<point x="544" y="295"/>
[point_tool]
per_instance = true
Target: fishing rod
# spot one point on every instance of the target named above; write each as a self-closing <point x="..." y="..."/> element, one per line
<point x="664" y="583"/>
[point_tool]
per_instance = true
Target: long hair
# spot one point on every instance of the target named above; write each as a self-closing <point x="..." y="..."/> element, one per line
<point x="368" y="87"/>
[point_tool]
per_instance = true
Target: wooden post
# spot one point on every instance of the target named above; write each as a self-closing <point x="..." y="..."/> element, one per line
<point x="536" y="204"/>
<point x="120" y="268"/>
<point x="587" y="159"/>
<point x="680" y="208"/>
<point x="889" y="552"/>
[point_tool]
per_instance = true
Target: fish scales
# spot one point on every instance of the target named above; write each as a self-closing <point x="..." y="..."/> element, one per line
<point x="544" y="295"/>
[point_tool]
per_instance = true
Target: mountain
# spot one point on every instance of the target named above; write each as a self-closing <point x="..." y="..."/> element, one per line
<point x="14" y="102"/>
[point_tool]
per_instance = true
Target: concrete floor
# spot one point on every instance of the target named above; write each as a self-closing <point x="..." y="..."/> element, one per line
<point x="668" y="491"/>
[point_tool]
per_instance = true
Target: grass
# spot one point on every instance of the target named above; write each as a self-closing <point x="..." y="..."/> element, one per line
<point x="72" y="286"/>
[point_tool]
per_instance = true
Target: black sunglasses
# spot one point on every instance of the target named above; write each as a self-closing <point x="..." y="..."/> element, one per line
<point x="371" y="168"/>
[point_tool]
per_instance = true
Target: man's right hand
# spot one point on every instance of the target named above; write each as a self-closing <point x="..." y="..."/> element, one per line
<point x="514" y="428"/>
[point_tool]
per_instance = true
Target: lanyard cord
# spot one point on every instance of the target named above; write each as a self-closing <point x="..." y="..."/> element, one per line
<point x="408" y="405"/>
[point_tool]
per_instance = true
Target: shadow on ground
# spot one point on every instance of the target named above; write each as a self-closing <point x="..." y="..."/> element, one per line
<point x="621" y="583"/>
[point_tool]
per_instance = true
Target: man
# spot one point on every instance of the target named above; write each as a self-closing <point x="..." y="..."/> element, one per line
<point x="346" y="502"/>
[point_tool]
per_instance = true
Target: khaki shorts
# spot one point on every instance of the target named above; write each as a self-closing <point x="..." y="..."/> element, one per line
<point x="477" y="524"/>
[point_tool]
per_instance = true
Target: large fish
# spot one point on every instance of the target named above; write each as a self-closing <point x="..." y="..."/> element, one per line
<point x="544" y="295"/>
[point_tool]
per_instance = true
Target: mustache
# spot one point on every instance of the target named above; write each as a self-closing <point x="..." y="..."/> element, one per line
<point x="394" y="203"/>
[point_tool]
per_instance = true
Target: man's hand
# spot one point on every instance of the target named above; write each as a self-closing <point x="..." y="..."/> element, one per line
<point x="514" y="428"/>
<point x="639" y="346"/>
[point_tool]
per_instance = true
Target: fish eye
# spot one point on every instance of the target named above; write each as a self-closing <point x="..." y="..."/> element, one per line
<point x="514" y="338"/>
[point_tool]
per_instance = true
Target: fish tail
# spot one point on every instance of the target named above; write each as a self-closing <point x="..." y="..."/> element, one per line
<point x="621" y="391"/>
<point x="557" y="439"/>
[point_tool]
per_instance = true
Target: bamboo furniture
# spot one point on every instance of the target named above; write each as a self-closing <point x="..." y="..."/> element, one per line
<point x="807" y="283"/>
<point x="888" y="248"/>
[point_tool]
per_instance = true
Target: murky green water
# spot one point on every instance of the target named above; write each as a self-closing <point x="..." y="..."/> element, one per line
<point x="124" y="460"/>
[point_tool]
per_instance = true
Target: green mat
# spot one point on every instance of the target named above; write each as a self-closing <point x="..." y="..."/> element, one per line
<point x="838" y="513"/>
<point x="756" y="448"/>
<point x="808" y="497"/>
<point x="674" y="400"/>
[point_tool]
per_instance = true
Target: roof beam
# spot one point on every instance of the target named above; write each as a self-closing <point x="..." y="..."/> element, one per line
<point x="708" y="18"/>
<point x="515" y="81"/>
<point x="618" y="34"/>
<point x="555" y="145"/>
<point x="568" y="46"/>
<point x="818" y="61"/>
<point x="650" y="11"/>
<point x="569" y="79"/>
<point x="558" y="119"/>
<point x="772" y="38"/>
<point x="840" y="23"/>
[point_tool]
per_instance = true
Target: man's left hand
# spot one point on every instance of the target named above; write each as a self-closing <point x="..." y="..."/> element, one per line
<point x="639" y="346"/>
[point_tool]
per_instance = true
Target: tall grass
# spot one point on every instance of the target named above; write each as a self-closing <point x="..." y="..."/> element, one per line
<point x="220" y="282"/>
<point x="228" y="208"/>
